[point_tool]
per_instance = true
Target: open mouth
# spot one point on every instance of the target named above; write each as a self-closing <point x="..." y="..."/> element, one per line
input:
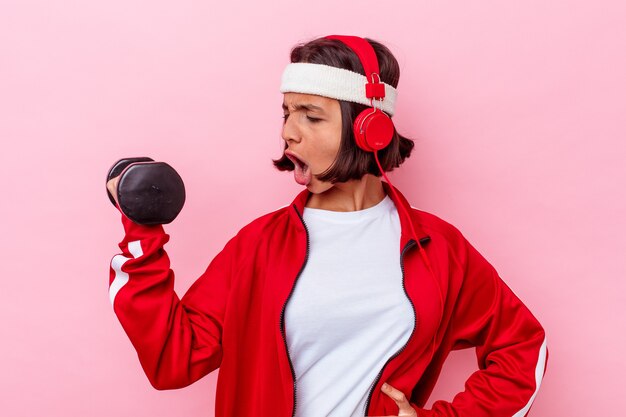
<point x="296" y="161"/>
<point x="302" y="172"/>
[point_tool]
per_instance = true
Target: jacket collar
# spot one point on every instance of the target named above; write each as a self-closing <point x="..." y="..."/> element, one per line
<point x="406" y="233"/>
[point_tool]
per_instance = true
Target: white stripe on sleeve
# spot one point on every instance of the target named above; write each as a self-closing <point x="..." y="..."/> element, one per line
<point x="121" y="277"/>
<point x="539" y="370"/>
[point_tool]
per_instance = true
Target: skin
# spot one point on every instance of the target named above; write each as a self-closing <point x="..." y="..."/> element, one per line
<point x="404" y="407"/>
<point x="112" y="187"/>
<point x="314" y="135"/>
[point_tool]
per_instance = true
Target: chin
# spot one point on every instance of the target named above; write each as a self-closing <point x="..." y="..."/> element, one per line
<point x="317" y="187"/>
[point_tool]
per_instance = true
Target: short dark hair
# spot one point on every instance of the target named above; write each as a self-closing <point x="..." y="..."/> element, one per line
<point x="352" y="162"/>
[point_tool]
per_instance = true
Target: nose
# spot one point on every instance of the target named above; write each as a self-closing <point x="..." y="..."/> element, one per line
<point x="290" y="130"/>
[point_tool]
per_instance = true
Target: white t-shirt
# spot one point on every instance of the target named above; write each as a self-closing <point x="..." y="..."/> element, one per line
<point x="348" y="312"/>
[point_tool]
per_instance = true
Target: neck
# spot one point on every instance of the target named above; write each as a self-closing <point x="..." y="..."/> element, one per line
<point x="352" y="195"/>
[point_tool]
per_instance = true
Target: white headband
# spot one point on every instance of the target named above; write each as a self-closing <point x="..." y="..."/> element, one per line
<point x="333" y="82"/>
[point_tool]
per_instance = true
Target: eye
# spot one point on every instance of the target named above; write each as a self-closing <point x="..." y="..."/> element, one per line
<point x="313" y="120"/>
<point x="285" y="116"/>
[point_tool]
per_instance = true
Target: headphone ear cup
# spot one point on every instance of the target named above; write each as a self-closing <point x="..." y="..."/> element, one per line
<point x="373" y="130"/>
<point x="359" y="131"/>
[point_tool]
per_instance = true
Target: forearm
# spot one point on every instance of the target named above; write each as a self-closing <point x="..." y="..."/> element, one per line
<point x="175" y="344"/>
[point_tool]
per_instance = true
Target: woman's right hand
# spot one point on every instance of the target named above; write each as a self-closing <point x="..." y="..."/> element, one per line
<point x="112" y="187"/>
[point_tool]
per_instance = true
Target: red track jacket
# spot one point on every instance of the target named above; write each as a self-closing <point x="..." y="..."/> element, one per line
<point x="231" y="318"/>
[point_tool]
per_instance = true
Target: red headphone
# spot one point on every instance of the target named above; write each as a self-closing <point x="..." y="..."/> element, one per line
<point x="373" y="128"/>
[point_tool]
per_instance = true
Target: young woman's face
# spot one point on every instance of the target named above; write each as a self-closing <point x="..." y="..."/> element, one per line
<point x="312" y="130"/>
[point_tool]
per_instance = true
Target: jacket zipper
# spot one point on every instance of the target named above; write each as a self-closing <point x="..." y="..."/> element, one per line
<point x="282" y="314"/>
<point x="369" y="396"/>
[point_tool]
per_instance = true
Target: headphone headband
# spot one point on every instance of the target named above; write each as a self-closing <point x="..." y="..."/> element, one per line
<point x="364" y="50"/>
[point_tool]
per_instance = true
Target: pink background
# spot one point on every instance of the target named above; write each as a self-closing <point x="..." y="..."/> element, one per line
<point x="518" y="115"/>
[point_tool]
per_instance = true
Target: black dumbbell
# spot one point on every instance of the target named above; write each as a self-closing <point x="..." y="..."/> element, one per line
<point x="148" y="192"/>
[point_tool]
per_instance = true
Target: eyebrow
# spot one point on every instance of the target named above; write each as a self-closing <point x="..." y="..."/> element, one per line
<point x="305" y="107"/>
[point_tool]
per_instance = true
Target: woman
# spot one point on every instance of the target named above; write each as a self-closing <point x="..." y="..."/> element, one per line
<point x="347" y="301"/>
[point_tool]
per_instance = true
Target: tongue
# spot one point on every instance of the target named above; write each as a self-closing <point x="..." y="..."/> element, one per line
<point x="302" y="176"/>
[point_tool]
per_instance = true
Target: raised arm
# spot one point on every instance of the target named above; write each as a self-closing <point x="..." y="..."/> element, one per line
<point x="177" y="341"/>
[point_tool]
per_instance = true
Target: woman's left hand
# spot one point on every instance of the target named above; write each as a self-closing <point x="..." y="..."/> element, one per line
<point x="398" y="396"/>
